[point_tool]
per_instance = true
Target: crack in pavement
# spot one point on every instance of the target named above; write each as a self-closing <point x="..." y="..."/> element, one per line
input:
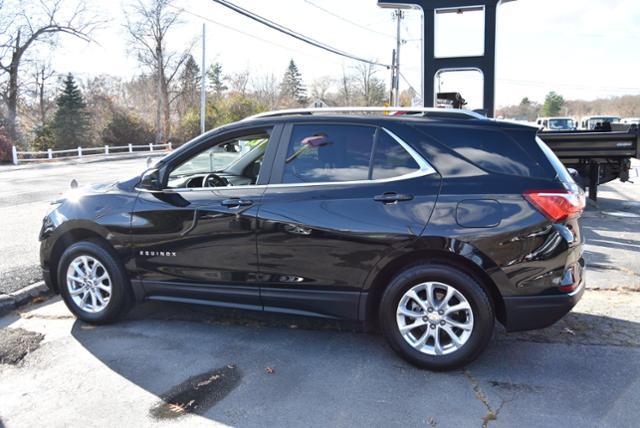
<point x="492" y="414"/>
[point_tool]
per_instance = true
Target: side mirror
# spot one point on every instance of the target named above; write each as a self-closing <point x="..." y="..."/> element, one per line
<point x="150" y="181"/>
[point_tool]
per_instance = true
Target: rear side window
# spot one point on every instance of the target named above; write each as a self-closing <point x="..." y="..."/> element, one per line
<point x="391" y="159"/>
<point x="338" y="153"/>
<point x="490" y="150"/>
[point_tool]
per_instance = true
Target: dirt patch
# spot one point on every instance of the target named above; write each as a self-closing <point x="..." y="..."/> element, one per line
<point x="16" y="343"/>
<point x="198" y="393"/>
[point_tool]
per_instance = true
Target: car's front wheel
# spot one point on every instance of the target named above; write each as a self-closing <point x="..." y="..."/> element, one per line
<point x="93" y="283"/>
<point x="436" y="316"/>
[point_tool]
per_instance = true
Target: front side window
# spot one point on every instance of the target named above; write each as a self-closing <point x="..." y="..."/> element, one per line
<point x="234" y="162"/>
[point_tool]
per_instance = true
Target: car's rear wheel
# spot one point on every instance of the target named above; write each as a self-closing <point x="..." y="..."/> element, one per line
<point x="93" y="283"/>
<point x="436" y="316"/>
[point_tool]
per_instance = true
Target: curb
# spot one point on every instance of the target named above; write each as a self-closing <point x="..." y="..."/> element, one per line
<point x="11" y="301"/>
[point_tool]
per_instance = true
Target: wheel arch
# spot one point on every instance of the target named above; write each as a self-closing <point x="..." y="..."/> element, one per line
<point x="67" y="239"/>
<point x="369" y="306"/>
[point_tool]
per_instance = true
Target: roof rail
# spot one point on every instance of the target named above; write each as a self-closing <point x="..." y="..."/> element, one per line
<point x="433" y="112"/>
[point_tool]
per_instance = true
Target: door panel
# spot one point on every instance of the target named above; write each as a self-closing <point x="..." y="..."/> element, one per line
<point x="321" y="240"/>
<point x="330" y="236"/>
<point x="194" y="242"/>
<point x="197" y="239"/>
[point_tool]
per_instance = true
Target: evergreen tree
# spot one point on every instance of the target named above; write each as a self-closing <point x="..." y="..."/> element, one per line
<point x="216" y="81"/>
<point x="553" y="104"/>
<point x="189" y="83"/>
<point x="292" y="86"/>
<point x="71" y="121"/>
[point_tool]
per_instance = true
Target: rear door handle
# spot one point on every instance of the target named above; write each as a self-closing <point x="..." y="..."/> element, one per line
<point x="233" y="203"/>
<point x="391" y="197"/>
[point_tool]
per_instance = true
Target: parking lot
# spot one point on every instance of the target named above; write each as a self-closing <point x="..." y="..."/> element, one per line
<point x="168" y="364"/>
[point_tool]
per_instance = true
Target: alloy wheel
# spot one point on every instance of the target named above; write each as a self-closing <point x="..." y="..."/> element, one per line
<point x="89" y="284"/>
<point x="434" y="318"/>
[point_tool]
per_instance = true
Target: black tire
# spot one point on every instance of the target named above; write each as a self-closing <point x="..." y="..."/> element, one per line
<point x="120" y="299"/>
<point x="483" y="315"/>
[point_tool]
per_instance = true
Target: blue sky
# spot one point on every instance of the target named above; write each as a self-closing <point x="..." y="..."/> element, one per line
<point x="580" y="48"/>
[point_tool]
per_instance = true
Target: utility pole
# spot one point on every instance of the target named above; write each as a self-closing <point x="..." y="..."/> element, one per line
<point x="392" y="86"/>
<point x="202" y="84"/>
<point x="399" y="15"/>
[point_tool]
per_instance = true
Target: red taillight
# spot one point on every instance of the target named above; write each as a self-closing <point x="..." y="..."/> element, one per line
<point x="557" y="205"/>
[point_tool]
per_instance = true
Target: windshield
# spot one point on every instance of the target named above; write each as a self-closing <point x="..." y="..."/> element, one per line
<point x="219" y="158"/>
<point x="561" y="124"/>
<point x="595" y="120"/>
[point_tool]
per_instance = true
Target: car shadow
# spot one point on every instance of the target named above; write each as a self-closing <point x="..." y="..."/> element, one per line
<point x="232" y="366"/>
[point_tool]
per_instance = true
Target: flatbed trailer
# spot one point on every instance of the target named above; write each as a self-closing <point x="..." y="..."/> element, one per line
<point x="597" y="156"/>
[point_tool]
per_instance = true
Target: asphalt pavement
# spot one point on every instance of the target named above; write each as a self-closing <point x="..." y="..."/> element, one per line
<point x="197" y="366"/>
<point x="25" y="197"/>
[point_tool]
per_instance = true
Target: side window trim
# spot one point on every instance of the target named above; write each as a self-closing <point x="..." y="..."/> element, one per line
<point x="424" y="169"/>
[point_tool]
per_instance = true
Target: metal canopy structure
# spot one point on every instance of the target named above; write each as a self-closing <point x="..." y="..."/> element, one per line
<point x="433" y="66"/>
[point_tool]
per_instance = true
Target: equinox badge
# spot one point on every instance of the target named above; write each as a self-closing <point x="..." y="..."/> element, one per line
<point x="158" y="253"/>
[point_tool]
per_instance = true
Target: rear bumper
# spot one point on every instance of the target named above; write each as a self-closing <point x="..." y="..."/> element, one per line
<point x="531" y="313"/>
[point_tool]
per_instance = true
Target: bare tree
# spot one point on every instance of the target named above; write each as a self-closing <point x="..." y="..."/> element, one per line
<point x="267" y="90"/>
<point x="42" y="74"/>
<point x="372" y="89"/>
<point x="320" y="87"/>
<point x="347" y="90"/>
<point x="239" y="82"/>
<point x="148" y="24"/>
<point x="23" y="25"/>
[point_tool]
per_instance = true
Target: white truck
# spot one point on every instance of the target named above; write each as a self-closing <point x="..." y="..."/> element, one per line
<point x="590" y="123"/>
<point x="556" y="123"/>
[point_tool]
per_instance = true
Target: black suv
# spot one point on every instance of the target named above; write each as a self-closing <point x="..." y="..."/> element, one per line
<point x="429" y="225"/>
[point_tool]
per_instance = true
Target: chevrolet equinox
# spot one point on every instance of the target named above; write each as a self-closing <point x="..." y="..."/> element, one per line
<point x="426" y="224"/>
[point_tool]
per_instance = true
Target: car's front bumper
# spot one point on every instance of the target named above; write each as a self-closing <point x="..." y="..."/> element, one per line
<point x="534" y="312"/>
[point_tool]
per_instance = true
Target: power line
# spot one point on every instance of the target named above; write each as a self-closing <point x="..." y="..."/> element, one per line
<point x="348" y="20"/>
<point x="296" y="35"/>
<point x="410" y="85"/>
<point x="204" y="18"/>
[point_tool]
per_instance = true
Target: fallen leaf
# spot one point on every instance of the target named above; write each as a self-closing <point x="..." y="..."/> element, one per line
<point x="176" y="408"/>
<point x="269" y="370"/>
<point x="38" y="299"/>
<point x="208" y="381"/>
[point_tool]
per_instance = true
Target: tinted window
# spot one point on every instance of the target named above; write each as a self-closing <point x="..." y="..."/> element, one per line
<point x="561" y="171"/>
<point x="328" y="153"/>
<point x="391" y="159"/>
<point x="490" y="150"/>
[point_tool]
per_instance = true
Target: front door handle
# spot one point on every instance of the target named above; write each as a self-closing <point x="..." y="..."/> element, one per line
<point x="234" y="203"/>
<point x="392" y="197"/>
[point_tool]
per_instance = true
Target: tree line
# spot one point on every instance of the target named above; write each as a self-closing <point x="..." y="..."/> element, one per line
<point x="42" y="109"/>
<point x="555" y="105"/>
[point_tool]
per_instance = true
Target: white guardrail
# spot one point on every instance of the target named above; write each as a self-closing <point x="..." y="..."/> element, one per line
<point x="80" y="152"/>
